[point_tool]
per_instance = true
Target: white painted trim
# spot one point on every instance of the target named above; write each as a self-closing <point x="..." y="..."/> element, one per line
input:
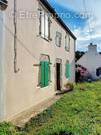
<point x="2" y="69"/>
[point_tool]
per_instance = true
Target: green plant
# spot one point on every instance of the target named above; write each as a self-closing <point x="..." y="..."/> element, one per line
<point x="7" y="129"/>
<point x="75" y="113"/>
<point x="69" y="86"/>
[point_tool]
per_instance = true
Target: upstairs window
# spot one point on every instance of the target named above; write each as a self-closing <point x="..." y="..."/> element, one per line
<point x="44" y="25"/>
<point x="67" y="42"/>
<point x="3" y="4"/>
<point x="58" y="39"/>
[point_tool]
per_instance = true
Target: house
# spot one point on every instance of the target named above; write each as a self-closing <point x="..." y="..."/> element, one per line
<point x="91" y="61"/>
<point x="37" y="55"/>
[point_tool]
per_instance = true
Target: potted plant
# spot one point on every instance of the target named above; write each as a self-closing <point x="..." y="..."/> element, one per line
<point x="69" y="86"/>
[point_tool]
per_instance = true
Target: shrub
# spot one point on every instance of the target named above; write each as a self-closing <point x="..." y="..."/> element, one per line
<point x="7" y="129"/>
<point x="62" y="133"/>
<point x="69" y="86"/>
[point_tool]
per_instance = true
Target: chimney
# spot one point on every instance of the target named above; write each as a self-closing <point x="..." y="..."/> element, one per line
<point x="92" y="48"/>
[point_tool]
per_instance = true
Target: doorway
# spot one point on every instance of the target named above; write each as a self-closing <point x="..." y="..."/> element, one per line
<point x="58" y="76"/>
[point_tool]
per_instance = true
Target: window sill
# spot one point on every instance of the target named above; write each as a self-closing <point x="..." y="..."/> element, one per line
<point x="45" y="38"/>
<point x="58" y="46"/>
<point x="42" y="87"/>
<point x="38" y="86"/>
<point x="48" y="40"/>
<point x="67" y="50"/>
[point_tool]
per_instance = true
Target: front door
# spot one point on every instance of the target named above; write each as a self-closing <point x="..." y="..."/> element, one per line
<point x="58" y="76"/>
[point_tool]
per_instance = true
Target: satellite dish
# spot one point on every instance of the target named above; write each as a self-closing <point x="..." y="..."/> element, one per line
<point x="3" y="4"/>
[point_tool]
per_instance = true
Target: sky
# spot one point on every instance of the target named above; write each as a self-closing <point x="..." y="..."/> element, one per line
<point x="83" y="17"/>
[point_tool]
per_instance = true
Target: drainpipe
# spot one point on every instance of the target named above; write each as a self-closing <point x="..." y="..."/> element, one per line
<point x="15" y="37"/>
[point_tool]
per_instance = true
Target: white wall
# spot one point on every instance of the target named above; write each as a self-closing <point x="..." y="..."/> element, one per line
<point x="22" y="91"/>
<point x="91" y="60"/>
<point x="2" y="60"/>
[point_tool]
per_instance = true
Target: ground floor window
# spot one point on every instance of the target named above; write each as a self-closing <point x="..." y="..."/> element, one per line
<point x="44" y="73"/>
<point x="67" y="70"/>
<point x="98" y="71"/>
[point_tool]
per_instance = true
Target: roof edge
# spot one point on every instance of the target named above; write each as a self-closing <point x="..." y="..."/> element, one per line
<point x="51" y="9"/>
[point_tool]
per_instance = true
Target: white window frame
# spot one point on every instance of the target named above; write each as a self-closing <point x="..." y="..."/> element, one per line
<point x="44" y="25"/>
<point x="67" y="42"/>
<point x="58" y="39"/>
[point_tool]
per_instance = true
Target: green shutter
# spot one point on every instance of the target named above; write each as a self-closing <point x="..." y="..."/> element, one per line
<point x="42" y="75"/>
<point x="67" y="71"/>
<point x="46" y="73"/>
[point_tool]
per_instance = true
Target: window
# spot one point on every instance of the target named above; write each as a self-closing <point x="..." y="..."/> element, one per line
<point x="3" y="4"/>
<point x="98" y="71"/>
<point x="67" y="70"/>
<point x="58" y="39"/>
<point x="67" y="42"/>
<point x="44" y="25"/>
<point x="44" y="73"/>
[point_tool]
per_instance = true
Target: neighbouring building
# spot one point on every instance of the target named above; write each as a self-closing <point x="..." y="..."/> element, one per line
<point x="37" y="55"/>
<point x="91" y="61"/>
<point x="82" y="73"/>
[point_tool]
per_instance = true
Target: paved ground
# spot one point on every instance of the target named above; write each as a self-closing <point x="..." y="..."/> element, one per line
<point x="26" y="116"/>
